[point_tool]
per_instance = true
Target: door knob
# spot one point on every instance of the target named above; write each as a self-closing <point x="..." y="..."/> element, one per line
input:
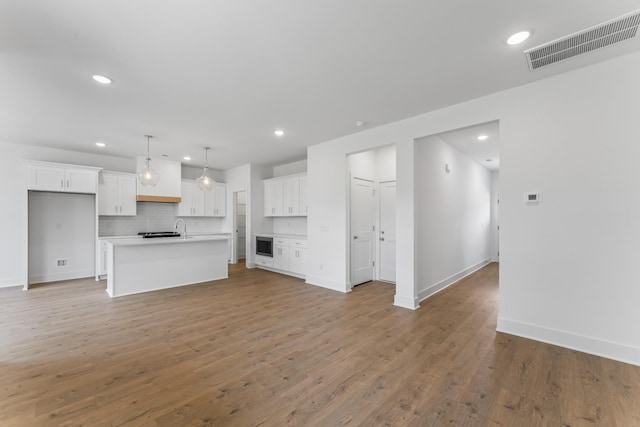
<point x="355" y="237"/>
<point x="382" y="239"/>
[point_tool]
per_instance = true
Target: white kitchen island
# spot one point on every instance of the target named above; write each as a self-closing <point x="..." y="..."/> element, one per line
<point x="136" y="265"/>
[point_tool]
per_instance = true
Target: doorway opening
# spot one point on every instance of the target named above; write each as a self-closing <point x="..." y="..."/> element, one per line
<point x="456" y="187"/>
<point x="372" y="223"/>
<point x="239" y="226"/>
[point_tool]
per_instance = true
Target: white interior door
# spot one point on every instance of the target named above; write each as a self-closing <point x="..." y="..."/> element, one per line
<point x="362" y="209"/>
<point x="388" y="231"/>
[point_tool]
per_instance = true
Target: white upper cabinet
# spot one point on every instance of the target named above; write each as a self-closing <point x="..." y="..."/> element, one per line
<point x="192" y="203"/>
<point x="286" y="196"/>
<point x="197" y="202"/>
<point x="273" y="197"/>
<point x="291" y="197"/>
<point x="117" y="194"/>
<point x="216" y="200"/>
<point x="44" y="176"/>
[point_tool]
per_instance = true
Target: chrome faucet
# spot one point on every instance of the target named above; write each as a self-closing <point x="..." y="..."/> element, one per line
<point x="175" y="227"/>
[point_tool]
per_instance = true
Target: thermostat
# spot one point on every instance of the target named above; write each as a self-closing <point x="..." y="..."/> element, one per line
<point x="532" y="198"/>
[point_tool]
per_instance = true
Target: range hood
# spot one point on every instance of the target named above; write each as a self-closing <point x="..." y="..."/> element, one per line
<point x="168" y="189"/>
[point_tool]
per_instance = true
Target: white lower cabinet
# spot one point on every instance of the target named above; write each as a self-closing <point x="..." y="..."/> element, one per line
<point x="281" y="254"/>
<point x="264" y="261"/>
<point x="298" y="256"/>
<point x="289" y="257"/>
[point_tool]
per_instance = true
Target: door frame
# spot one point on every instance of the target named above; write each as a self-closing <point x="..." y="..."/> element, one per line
<point x="350" y="239"/>
<point x="378" y="219"/>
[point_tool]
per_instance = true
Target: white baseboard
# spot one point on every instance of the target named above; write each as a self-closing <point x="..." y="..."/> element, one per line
<point x="55" y="277"/>
<point x="607" y="349"/>
<point x="327" y="284"/>
<point x="437" y="287"/>
<point x="406" y="302"/>
<point x="11" y="282"/>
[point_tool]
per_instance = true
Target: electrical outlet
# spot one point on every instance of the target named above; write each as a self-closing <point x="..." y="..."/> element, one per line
<point x="62" y="262"/>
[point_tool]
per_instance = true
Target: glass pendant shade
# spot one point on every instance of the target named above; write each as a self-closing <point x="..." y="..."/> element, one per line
<point x="147" y="176"/>
<point x="205" y="182"/>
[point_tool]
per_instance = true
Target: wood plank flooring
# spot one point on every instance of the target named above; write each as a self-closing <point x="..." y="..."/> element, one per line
<point x="269" y="350"/>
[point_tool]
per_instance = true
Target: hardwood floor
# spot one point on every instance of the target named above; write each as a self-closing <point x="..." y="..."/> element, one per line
<point x="266" y="349"/>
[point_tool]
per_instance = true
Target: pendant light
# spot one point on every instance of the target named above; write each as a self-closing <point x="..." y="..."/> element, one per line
<point x="205" y="182"/>
<point x="147" y="176"/>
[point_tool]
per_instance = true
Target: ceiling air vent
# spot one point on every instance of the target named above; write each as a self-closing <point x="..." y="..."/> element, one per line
<point x="592" y="38"/>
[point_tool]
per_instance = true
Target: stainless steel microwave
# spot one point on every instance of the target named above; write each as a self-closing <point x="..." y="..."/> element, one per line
<point x="264" y="246"/>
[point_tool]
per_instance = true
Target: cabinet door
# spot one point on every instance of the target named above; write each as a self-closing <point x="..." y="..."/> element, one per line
<point x="46" y="178"/>
<point x="298" y="262"/>
<point x="291" y="196"/>
<point x="185" y="207"/>
<point x="273" y="198"/>
<point x="80" y="181"/>
<point x="127" y="194"/>
<point x="303" y="196"/>
<point x="210" y="202"/>
<point x="220" y="199"/>
<point x="281" y="257"/>
<point x="198" y="198"/>
<point x="108" y="194"/>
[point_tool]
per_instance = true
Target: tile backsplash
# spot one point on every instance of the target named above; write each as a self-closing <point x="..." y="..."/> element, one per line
<point x="154" y="217"/>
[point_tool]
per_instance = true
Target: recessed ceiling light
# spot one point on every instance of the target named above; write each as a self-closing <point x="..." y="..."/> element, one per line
<point x="187" y="158"/>
<point x="482" y="137"/>
<point x="278" y="132"/>
<point x="488" y="160"/>
<point x="101" y="144"/>
<point x="102" y="79"/>
<point x="518" y="38"/>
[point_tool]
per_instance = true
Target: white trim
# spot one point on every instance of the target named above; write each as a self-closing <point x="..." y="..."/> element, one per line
<point x="10" y="283"/>
<point x="437" y="287"/>
<point x="277" y="270"/>
<point x="607" y="349"/>
<point x="67" y="275"/>
<point x="406" y="302"/>
<point x="327" y="284"/>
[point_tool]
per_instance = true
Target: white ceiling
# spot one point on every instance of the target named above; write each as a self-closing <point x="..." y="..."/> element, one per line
<point x="227" y="73"/>
<point x="487" y="152"/>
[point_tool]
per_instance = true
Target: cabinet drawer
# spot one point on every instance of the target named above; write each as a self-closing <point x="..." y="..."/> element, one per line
<point x="264" y="261"/>
<point x="298" y="243"/>
<point x="280" y="241"/>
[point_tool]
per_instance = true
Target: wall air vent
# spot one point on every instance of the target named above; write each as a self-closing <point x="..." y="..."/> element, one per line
<point x="592" y="38"/>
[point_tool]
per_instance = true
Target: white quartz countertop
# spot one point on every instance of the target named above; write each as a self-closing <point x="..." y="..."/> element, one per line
<point x="282" y="236"/>
<point x="139" y="241"/>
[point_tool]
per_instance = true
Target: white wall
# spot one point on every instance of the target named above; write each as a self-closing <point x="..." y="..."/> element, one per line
<point x="453" y="230"/>
<point x="363" y="165"/>
<point x="567" y="272"/>
<point x="386" y="163"/>
<point x="61" y="227"/>
<point x="289" y="168"/>
<point x="495" y="215"/>
<point x="256" y="222"/>
<point x="239" y="179"/>
<point x="13" y="188"/>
